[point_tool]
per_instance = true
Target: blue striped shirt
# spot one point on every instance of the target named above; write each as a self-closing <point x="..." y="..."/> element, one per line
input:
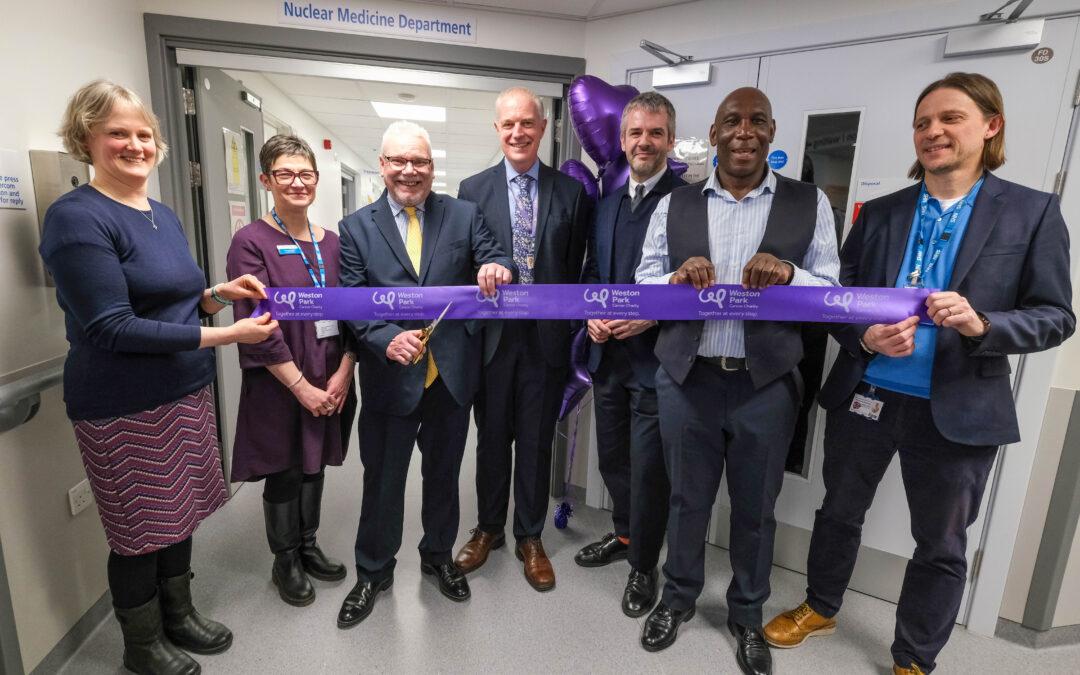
<point x="736" y="228"/>
<point x="401" y="219"/>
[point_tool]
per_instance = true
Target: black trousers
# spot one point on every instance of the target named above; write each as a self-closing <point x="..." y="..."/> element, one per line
<point x="439" y="426"/>
<point x="631" y="456"/>
<point x="516" y="409"/>
<point x="944" y="484"/>
<point x="715" y="421"/>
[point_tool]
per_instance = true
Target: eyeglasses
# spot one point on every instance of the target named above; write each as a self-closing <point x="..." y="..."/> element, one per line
<point x="286" y="177"/>
<point x="418" y="163"/>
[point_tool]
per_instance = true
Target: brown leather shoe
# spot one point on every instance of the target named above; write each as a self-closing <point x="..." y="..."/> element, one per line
<point x="538" y="570"/>
<point x="475" y="551"/>
<point x="913" y="670"/>
<point x="791" y="628"/>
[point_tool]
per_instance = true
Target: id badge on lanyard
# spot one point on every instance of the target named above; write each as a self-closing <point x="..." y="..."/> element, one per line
<point x="868" y="405"/>
<point x="326" y="327"/>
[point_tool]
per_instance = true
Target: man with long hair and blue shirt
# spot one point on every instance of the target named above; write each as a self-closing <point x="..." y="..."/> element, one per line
<point x="936" y="392"/>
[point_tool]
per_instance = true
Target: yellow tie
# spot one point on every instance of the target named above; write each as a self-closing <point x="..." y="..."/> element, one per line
<point x="414" y="243"/>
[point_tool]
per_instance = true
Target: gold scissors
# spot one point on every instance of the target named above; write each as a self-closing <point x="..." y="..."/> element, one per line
<point x="425" y="333"/>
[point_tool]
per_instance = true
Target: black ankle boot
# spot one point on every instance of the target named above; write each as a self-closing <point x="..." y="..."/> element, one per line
<point x="315" y="562"/>
<point x="184" y="626"/>
<point x="146" y="651"/>
<point x="283" y="534"/>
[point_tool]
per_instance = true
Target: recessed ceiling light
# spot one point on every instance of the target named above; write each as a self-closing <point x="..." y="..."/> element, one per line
<point x="438" y="184"/>
<point x="440" y="172"/>
<point x="405" y="111"/>
<point x="438" y="154"/>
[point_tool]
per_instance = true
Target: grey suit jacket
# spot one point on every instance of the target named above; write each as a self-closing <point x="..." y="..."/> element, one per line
<point x="455" y="244"/>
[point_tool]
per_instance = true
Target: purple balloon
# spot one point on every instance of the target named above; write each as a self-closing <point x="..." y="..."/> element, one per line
<point x="613" y="175"/>
<point x="595" y="113"/>
<point x="579" y="379"/>
<point x="677" y="167"/>
<point x="579" y="171"/>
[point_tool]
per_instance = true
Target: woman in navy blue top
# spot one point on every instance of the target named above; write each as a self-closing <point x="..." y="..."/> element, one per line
<point x="137" y="375"/>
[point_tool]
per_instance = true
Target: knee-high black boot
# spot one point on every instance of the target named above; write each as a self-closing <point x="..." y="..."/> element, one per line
<point x="283" y="534"/>
<point x="146" y="651"/>
<point x="315" y="562"/>
<point x="184" y="626"/>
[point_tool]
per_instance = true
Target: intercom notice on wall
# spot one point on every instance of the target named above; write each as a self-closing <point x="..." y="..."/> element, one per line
<point x="13" y="184"/>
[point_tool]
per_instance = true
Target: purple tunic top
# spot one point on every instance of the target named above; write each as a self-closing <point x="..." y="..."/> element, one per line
<point x="273" y="431"/>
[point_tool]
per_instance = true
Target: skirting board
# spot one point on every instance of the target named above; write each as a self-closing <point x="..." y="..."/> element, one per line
<point x="70" y="643"/>
<point x="1037" y="639"/>
<point x="876" y="573"/>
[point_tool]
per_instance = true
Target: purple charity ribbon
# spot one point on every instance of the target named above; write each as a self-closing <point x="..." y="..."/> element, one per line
<point x="829" y="304"/>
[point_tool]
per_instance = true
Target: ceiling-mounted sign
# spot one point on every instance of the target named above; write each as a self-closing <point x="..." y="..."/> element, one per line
<point x="438" y="23"/>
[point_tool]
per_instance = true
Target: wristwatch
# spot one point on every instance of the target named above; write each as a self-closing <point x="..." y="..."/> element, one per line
<point x="866" y="350"/>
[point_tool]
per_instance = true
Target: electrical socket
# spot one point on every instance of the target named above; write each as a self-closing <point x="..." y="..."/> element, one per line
<point x="80" y="496"/>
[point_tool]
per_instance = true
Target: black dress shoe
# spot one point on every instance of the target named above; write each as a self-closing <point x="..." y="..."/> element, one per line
<point x="451" y="580"/>
<point x="662" y="627"/>
<point x="751" y="651"/>
<point x="360" y="601"/>
<point x="600" y="553"/>
<point x="640" y="593"/>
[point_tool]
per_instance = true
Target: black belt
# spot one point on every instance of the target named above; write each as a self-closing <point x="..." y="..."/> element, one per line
<point x="729" y="363"/>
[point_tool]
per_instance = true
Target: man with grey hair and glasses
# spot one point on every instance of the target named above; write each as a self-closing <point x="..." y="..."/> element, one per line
<point x="416" y="387"/>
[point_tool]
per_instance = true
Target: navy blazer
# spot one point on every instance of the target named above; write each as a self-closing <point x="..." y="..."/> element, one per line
<point x="373" y="254"/>
<point x="1012" y="266"/>
<point x="563" y="217"/>
<point x="598" y="263"/>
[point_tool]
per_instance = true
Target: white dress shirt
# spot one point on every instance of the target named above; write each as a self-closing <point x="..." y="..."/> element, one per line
<point x="650" y="183"/>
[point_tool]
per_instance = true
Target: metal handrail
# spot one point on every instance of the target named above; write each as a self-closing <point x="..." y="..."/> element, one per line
<point x="20" y="400"/>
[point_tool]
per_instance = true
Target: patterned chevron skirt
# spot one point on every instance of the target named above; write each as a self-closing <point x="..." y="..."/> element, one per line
<point x="155" y="474"/>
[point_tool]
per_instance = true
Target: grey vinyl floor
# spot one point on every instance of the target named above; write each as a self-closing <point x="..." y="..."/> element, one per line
<point x="506" y="627"/>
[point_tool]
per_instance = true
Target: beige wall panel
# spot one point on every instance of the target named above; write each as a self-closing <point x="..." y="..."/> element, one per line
<point x="55" y="561"/>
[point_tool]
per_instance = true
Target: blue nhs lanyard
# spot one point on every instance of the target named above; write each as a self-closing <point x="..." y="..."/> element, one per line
<point x="918" y="275"/>
<point x="321" y="281"/>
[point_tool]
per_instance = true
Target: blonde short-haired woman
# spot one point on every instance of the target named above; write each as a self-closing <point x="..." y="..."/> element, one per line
<point x="138" y="373"/>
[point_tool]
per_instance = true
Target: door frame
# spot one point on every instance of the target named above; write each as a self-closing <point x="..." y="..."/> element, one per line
<point x="165" y="34"/>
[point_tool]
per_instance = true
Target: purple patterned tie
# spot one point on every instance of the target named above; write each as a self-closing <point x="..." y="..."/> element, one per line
<point x="524" y="240"/>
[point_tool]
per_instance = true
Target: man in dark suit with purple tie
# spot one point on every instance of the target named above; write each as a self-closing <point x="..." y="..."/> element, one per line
<point x="542" y="217"/>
